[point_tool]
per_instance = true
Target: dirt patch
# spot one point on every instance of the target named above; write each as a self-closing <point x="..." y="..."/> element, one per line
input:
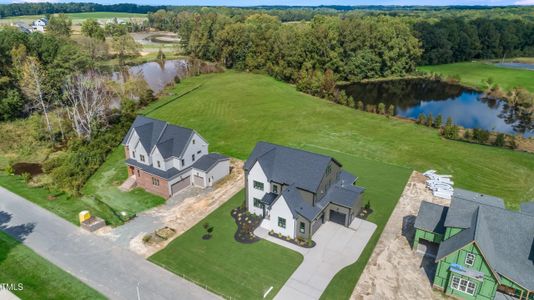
<point x="33" y="169"/>
<point x="394" y="271"/>
<point x="191" y="210"/>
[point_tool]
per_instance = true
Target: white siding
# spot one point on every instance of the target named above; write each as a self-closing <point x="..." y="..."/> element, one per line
<point x="198" y="173"/>
<point x="156" y="156"/>
<point x="219" y="171"/>
<point x="175" y="180"/>
<point x="135" y="146"/>
<point x="281" y="209"/>
<point x="256" y="174"/>
<point x="196" y="144"/>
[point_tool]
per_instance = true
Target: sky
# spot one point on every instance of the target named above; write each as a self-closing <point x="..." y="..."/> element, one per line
<point x="297" y="2"/>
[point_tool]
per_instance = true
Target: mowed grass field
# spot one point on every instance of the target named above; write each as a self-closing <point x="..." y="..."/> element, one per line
<point x="78" y="17"/>
<point x="40" y="278"/>
<point x="235" y="110"/>
<point x="474" y="73"/>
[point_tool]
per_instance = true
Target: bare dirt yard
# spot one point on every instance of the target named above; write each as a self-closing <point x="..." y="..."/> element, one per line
<point x="395" y="271"/>
<point x="180" y="213"/>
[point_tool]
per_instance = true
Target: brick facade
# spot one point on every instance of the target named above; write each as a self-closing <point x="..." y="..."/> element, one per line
<point x="144" y="180"/>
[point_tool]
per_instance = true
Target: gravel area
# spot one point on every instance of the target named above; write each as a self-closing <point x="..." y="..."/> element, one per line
<point x="394" y="270"/>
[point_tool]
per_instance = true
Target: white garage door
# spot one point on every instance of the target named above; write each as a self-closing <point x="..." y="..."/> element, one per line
<point x="199" y="181"/>
<point x="180" y="185"/>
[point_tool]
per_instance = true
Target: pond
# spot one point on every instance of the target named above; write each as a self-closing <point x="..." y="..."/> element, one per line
<point x="156" y="74"/>
<point x="467" y="107"/>
<point x="513" y="65"/>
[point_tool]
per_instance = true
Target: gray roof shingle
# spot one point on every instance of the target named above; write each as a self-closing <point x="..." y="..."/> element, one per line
<point x="431" y="217"/>
<point x="290" y="166"/>
<point x="460" y="212"/>
<point x="506" y="238"/>
<point x="208" y="161"/>
<point x="170" y="140"/>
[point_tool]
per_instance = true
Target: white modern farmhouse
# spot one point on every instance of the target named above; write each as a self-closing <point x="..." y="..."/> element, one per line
<point x="296" y="191"/>
<point x="164" y="158"/>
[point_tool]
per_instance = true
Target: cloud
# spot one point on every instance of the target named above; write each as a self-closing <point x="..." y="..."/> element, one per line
<point x="524" y="2"/>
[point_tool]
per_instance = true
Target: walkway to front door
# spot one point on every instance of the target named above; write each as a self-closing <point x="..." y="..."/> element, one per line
<point x="337" y="247"/>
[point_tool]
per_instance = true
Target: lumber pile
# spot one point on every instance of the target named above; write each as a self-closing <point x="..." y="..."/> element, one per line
<point x="440" y="185"/>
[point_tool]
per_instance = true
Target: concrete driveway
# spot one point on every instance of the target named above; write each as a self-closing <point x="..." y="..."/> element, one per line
<point x="112" y="270"/>
<point x="337" y="247"/>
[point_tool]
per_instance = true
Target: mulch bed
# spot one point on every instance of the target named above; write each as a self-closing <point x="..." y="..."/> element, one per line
<point x="31" y="168"/>
<point x="246" y="224"/>
<point x="364" y="213"/>
<point x="293" y="241"/>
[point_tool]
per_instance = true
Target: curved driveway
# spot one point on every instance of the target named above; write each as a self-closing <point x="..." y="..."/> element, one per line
<point x="113" y="271"/>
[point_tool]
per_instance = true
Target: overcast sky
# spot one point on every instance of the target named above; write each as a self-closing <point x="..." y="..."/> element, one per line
<point x="299" y="2"/>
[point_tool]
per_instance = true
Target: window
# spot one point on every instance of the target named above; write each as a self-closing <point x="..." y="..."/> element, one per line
<point x="275" y="189"/>
<point x="193" y="157"/>
<point x="469" y="259"/>
<point x="463" y="285"/>
<point x="281" y="222"/>
<point x="182" y="162"/>
<point x="133" y="154"/>
<point x="142" y="157"/>
<point x="257" y="203"/>
<point x="193" y="141"/>
<point x="155" y="181"/>
<point x="302" y="227"/>
<point x="159" y="165"/>
<point x="199" y="151"/>
<point x="328" y="169"/>
<point x="258" y="185"/>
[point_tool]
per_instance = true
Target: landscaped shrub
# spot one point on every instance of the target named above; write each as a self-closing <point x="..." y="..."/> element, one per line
<point x="391" y="110"/>
<point x="381" y="108"/>
<point x="421" y="119"/>
<point x="429" y="120"/>
<point x="499" y="140"/>
<point x="359" y="106"/>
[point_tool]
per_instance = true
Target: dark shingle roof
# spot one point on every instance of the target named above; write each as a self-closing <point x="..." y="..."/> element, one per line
<point x="506" y="238"/>
<point x="527" y="208"/>
<point x="460" y="212"/>
<point x="170" y="140"/>
<point x="431" y="217"/>
<point x="297" y="205"/>
<point x="290" y="166"/>
<point x="169" y="174"/>
<point x="345" y="195"/>
<point x="269" y="198"/>
<point x="208" y="161"/>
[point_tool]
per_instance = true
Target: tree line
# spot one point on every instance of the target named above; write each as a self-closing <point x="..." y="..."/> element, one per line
<point x="21" y="9"/>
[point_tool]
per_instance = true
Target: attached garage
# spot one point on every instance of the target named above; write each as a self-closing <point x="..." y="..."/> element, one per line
<point x="338" y="217"/>
<point x="198" y="180"/>
<point x="180" y="185"/>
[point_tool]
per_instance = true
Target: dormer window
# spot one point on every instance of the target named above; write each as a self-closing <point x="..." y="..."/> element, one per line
<point x="193" y="141"/>
<point x="159" y="165"/>
<point x="275" y="189"/>
<point x="133" y="154"/>
<point x="328" y="169"/>
<point x="193" y="157"/>
<point x="470" y="259"/>
<point x="182" y="162"/>
<point x="142" y="158"/>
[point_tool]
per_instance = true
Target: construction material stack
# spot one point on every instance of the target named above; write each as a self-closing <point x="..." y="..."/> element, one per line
<point x="440" y="185"/>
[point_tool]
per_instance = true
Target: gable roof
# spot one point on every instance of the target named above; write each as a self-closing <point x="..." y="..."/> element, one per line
<point x="290" y="166"/>
<point x="170" y="140"/>
<point x="208" y="161"/>
<point x="463" y="205"/>
<point x="431" y="217"/>
<point x="506" y="239"/>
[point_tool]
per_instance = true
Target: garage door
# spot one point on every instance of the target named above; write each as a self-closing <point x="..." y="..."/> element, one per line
<point x="337" y="217"/>
<point x="199" y="181"/>
<point x="180" y="185"/>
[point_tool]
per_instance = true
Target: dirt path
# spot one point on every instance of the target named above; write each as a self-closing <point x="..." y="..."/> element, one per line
<point x="179" y="213"/>
<point x="394" y="270"/>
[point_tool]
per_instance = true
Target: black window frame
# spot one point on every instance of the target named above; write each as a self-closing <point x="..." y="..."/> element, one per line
<point x="257" y="184"/>
<point x="282" y="221"/>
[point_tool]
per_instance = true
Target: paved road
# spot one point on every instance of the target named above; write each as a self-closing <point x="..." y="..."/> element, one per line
<point x="337" y="247"/>
<point x="110" y="269"/>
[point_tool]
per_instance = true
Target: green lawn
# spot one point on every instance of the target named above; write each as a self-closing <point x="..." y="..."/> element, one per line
<point x="104" y="185"/>
<point x="235" y="110"/>
<point x="79" y="17"/>
<point x="40" y="278"/>
<point x="473" y="73"/>
<point x="229" y="268"/>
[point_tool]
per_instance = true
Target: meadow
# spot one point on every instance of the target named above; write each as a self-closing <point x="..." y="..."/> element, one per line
<point x="78" y="18"/>
<point x="475" y="73"/>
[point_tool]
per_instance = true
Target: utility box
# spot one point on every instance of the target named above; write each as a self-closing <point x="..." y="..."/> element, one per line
<point x="84" y="216"/>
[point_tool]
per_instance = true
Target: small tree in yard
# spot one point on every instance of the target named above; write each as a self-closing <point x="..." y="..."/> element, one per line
<point x="438" y="121"/>
<point x="359" y="105"/>
<point x="209" y="231"/>
<point x="499" y="140"/>
<point x="429" y="120"/>
<point x="421" y="119"/>
<point x="381" y="108"/>
<point x="391" y="110"/>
